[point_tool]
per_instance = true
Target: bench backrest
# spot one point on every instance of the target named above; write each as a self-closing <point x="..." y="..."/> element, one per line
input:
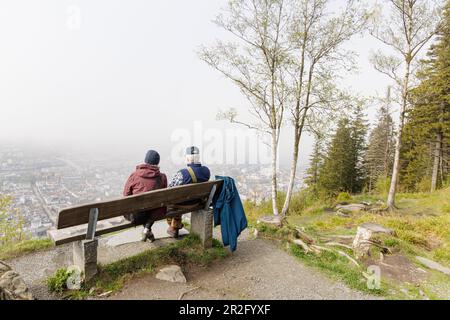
<point x="79" y="215"/>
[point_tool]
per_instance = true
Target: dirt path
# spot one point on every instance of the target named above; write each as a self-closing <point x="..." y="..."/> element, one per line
<point x="257" y="270"/>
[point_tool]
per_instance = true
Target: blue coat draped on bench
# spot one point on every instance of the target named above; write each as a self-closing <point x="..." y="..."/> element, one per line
<point x="229" y="213"/>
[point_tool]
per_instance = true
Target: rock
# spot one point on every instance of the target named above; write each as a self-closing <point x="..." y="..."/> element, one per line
<point x="342" y="213"/>
<point x="171" y="273"/>
<point x="12" y="286"/>
<point x="352" y="207"/>
<point x="364" y="236"/>
<point x="273" y="220"/>
<point x="433" y="265"/>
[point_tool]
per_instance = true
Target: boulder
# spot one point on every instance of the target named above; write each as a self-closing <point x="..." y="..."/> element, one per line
<point x="433" y="265"/>
<point x="352" y="207"/>
<point x="364" y="238"/>
<point x="270" y="220"/>
<point x="12" y="286"/>
<point x="171" y="273"/>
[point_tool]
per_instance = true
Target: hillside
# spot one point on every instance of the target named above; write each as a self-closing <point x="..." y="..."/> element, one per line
<point x="421" y="226"/>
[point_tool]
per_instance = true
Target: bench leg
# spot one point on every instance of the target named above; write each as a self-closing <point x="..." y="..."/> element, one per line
<point x="85" y="257"/>
<point x="202" y="225"/>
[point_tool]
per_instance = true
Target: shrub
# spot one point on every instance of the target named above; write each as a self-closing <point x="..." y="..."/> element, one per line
<point x="442" y="254"/>
<point x="11" y="230"/>
<point x="424" y="185"/>
<point x="343" y="197"/>
<point x="58" y="282"/>
<point x="382" y="185"/>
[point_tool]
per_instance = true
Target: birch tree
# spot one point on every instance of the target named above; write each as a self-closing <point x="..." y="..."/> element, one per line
<point x="254" y="63"/>
<point x="316" y="62"/>
<point x="410" y="26"/>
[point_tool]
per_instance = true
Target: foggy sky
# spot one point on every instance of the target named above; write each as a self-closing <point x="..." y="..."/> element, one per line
<point x="126" y="78"/>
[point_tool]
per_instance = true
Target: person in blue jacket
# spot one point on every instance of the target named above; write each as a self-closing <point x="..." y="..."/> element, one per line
<point x="229" y="213"/>
<point x="193" y="173"/>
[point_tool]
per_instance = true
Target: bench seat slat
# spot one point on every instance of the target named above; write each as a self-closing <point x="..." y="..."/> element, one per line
<point x="66" y="235"/>
<point x="79" y="215"/>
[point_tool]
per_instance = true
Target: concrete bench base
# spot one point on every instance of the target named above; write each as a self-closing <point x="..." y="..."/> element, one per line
<point x="85" y="257"/>
<point x="202" y="225"/>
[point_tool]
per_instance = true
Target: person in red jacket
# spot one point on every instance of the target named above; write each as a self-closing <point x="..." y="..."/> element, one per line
<point x="147" y="177"/>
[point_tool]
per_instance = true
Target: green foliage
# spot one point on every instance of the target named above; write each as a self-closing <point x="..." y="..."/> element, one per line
<point x="58" y="282"/>
<point x="391" y="242"/>
<point x="255" y="210"/>
<point x="343" y="197"/>
<point x="315" y="163"/>
<point x="382" y="185"/>
<point x="11" y="222"/>
<point x="442" y="254"/>
<point x="13" y="240"/>
<point x="342" y="169"/>
<point x="427" y="131"/>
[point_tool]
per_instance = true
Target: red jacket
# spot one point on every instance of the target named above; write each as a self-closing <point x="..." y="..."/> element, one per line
<point x="146" y="178"/>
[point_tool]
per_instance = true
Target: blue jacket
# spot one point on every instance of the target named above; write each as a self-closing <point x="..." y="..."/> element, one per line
<point x="229" y="212"/>
<point x="201" y="172"/>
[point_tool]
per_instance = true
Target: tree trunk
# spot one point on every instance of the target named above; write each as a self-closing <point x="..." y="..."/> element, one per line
<point x="292" y="174"/>
<point x="437" y="157"/>
<point x="274" y="172"/>
<point x="297" y="138"/>
<point x="396" y="168"/>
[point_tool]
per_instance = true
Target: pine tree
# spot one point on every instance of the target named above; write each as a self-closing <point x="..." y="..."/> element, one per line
<point x="336" y="173"/>
<point x="427" y="134"/>
<point x="379" y="156"/>
<point x="341" y="169"/>
<point x="315" y="162"/>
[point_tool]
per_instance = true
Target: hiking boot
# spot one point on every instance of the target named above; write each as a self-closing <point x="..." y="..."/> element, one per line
<point x="151" y="237"/>
<point x="147" y="234"/>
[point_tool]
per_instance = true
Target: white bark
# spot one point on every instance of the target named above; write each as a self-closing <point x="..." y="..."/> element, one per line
<point x="396" y="168"/>
<point x="274" y="173"/>
<point x="436" y="162"/>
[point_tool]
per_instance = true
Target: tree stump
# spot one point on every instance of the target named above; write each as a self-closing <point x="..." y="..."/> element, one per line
<point x="364" y="238"/>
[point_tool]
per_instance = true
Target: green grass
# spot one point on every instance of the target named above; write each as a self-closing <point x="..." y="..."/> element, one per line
<point x="13" y="250"/>
<point x="185" y="252"/>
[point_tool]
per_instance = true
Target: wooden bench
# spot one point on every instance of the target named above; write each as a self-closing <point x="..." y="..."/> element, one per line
<point x="82" y="224"/>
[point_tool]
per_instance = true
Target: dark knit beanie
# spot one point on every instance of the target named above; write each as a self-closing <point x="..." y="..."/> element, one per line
<point x="152" y="157"/>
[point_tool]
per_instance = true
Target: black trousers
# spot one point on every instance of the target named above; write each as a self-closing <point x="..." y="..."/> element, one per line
<point x="141" y="218"/>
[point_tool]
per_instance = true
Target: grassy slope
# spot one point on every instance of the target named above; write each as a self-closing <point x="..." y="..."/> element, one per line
<point x="422" y="224"/>
<point x="13" y="250"/>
